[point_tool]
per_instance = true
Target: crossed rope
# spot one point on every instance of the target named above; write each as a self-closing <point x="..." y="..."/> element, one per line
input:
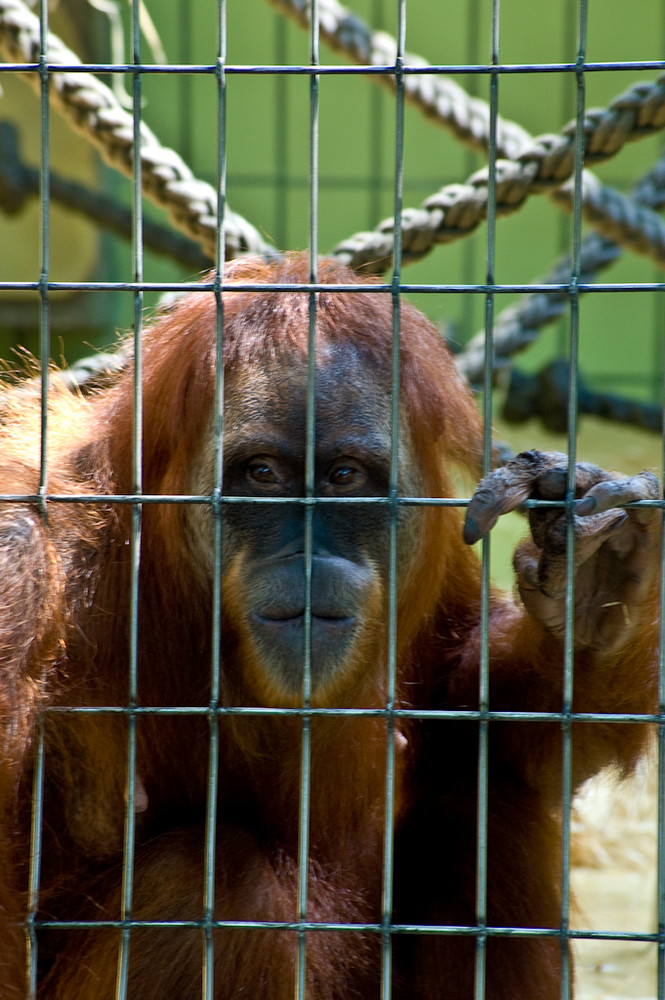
<point x="528" y="166"/>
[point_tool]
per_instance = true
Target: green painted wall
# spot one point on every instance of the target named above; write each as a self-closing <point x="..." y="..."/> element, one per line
<point x="267" y="136"/>
<point x="267" y="144"/>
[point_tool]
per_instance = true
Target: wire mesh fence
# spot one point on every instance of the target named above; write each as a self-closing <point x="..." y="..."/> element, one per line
<point x="269" y="728"/>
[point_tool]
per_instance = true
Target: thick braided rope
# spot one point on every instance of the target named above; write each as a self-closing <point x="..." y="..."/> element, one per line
<point x="94" y="110"/>
<point x="438" y="96"/>
<point x="627" y="220"/>
<point x="531" y="165"/>
<point x="192" y="203"/>
<point x="457" y="209"/>
<point x="90" y="100"/>
<point x="519" y="325"/>
<point x="621" y="219"/>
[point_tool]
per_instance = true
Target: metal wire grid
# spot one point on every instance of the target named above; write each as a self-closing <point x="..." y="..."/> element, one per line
<point x="215" y="711"/>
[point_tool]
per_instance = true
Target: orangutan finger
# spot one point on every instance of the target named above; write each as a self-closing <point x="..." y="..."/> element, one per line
<point x="617" y="492"/>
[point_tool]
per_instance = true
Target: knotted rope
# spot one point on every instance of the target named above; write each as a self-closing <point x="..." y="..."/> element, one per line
<point x="437" y="96"/>
<point x="517" y="326"/>
<point x="529" y="166"/>
<point x="95" y="111"/>
<point x="457" y="209"/>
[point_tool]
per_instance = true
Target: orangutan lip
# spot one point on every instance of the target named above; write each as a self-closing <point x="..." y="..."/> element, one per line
<point x="325" y="620"/>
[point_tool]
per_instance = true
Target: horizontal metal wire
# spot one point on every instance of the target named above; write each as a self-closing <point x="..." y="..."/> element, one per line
<point x="250" y="69"/>
<point x="447" y="930"/>
<point x="208" y="499"/>
<point x="408" y="289"/>
<point x="423" y="715"/>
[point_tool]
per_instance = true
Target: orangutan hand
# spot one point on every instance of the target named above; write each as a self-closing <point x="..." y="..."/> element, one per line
<point x="616" y="550"/>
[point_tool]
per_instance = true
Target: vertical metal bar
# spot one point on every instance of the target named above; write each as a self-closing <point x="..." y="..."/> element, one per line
<point x="186" y="93"/>
<point x="388" y="845"/>
<point x="310" y="443"/>
<point x="45" y="352"/>
<point x="660" y="870"/>
<point x="282" y="136"/>
<point x="569" y="637"/>
<point x="45" y="251"/>
<point x="35" y="862"/>
<point x="208" y="979"/>
<point x="135" y="541"/>
<point x="567" y="111"/>
<point x="659" y="377"/>
<point x="474" y="56"/>
<point x="376" y="131"/>
<point x="483" y="689"/>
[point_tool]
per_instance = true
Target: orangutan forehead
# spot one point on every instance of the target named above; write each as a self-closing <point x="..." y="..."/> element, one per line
<point x="350" y="397"/>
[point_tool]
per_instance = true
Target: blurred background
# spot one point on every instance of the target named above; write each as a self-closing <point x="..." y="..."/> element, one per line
<point x="268" y="160"/>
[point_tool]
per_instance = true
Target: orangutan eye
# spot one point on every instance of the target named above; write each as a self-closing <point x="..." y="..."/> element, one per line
<point x="347" y="476"/>
<point x="262" y="472"/>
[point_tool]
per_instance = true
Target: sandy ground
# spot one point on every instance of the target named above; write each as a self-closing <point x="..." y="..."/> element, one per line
<point x="613" y="880"/>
